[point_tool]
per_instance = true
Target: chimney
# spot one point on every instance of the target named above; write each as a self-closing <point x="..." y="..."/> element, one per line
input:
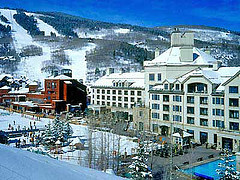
<point x="216" y="65"/>
<point x="157" y="52"/>
<point x="109" y="71"/>
<point x="185" y="41"/>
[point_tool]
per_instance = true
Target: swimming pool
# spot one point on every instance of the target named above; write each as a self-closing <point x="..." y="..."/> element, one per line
<point x="208" y="169"/>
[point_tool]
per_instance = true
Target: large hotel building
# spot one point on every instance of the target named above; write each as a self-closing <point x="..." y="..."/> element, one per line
<point x="184" y="88"/>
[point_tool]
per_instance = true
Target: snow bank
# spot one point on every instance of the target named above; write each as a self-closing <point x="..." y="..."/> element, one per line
<point x="22" y="165"/>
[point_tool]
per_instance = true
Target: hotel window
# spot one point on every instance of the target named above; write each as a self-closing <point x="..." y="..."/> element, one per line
<point x="98" y="90"/>
<point x="190" y="120"/>
<point x="103" y="103"/>
<point x="165" y="107"/>
<point x="98" y="96"/>
<point x="177" y="87"/>
<point x="218" y="123"/>
<point x="190" y="110"/>
<point x="177" y="108"/>
<point x="155" y="128"/>
<point x="151" y="77"/>
<point x="155" y="115"/>
<point x="177" y="118"/>
<point x="177" y="98"/>
<point x="166" y="86"/>
<point x="126" y="99"/>
<point x="159" y="76"/>
<point x="155" y="97"/>
<point x="119" y="92"/>
<point x="114" y="104"/>
<point x="165" y="98"/>
<point x="204" y="111"/>
<point x="234" y="126"/>
<point x="103" y="97"/>
<point x="119" y="104"/>
<point x="126" y="105"/>
<point x="140" y="114"/>
<point x="203" y="122"/>
<point x="114" y="91"/>
<point x="234" y="114"/>
<point x="108" y="91"/>
<point x="119" y="98"/>
<point x="190" y="99"/>
<point x="114" y="98"/>
<point x="108" y="97"/>
<point x="233" y="89"/>
<point x="125" y="92"/>
<point x="166" y="117"/>
<point x="132" y="99"/>
<point x="139" y="99"/>
<point x="103" y="91"/>
<point x="108" y="103"/>
<point x="155" y="106"/>
<point x="203" y="100"/>
<point x="139" y="93"/>
<point x="132" y="93"/>
<point x="233" y="102"/>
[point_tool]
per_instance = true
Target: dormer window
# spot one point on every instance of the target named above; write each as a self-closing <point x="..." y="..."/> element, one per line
<point x="114" y="83"/>
<point x="177" y="87"/>
<point x="165" y="86"/>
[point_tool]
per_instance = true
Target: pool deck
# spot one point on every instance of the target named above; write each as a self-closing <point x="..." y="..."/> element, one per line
<point x="161" y="164"/>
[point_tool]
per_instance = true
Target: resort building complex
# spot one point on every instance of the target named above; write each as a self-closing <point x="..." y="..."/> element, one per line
<point x="184" y="88"/>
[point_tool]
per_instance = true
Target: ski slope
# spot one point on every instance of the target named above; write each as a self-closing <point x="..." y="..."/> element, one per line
<point x="78" y="61"/>
<point x="17" y="164"/>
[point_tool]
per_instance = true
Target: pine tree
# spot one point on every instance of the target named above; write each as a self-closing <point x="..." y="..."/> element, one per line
<point x="226" y="169"/>
<point x="48" y="139"/>
<point x="139" y="169"/>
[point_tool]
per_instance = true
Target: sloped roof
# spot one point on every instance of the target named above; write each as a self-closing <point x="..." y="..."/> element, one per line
<point x="5" y="88"/>
<point x="59" y="77"/>
<point x="136" y="78"/>
<point x="172" y="56"/>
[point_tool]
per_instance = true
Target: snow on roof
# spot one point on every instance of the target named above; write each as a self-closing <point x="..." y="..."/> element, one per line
<point x="68" y="82"/>
<point x="136" y="78"/>
<point x="26" y="103"/>
<point x="216" y="77"/>
<point x="20" y="91"/>
<point x="21" y="165"/>
<point x="59" y="77"/>
<point x="172" y="56"/>
<point x="4" y="75"/>
<point x="33" y="84"/>
<point x="5" y="88"/>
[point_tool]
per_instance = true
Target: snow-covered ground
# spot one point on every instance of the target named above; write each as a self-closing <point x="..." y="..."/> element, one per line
<point x="109" y="140"/>
<point x="122" y="31"/>
<point x="46" y="27"/>
<point x="17" y="164"/>
<point x="78" y="63"/>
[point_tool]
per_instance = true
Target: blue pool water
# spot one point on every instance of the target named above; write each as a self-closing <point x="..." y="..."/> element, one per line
<point x="208" y="169"/>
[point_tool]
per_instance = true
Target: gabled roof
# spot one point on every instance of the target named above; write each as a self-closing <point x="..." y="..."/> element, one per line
<point x="233" y="77"/>
<point x="172" y="56"/>
<point x="135" y="78"/>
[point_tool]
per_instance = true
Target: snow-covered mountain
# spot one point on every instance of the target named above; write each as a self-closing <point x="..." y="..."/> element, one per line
<point x="35" y="44"/>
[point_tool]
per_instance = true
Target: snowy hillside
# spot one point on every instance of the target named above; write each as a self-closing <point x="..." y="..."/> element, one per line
<point x="88" y="47"/>
<point x="17" y="164"/>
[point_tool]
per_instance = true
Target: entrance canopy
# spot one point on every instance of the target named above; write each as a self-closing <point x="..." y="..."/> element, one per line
<point x="185" y="134"/>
